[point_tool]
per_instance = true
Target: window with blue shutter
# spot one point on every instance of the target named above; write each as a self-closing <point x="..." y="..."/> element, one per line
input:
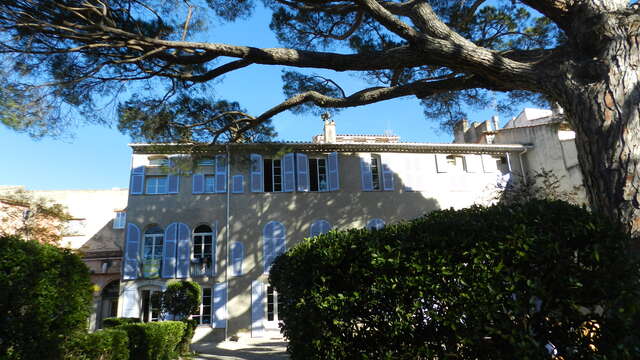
<point x="137" y="180"/>
<point x="319" y="227"/>
<point x="237" y="184"/>
<point x="334" y="174"/>
<point x="375" y="224"/>
<point x="365" y="173"/>
<point x="257" y="309"/>
<point x="184" y="251"/>
<point x="387" y="174"/>
<point x="203" y="252"/>
<point x="220" y="305"/>
<point x="274" y="242"/>
<point x="197" y="183"/>
<point x="132" y="253"/>
<point x="152" y="249"/>
<point x="237" y="257"/>
<point x="169" y="258"/>
<point x="288" y="173"/>
<point x="302" y="168"/>
<point x="221" y="174"/>
<point x="257" y="181"/>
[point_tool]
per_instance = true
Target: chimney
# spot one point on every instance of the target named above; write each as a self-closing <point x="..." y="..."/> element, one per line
<point x="496" y="122"/>
<point x="459" y="129"/>
<point x="329" y="129"/>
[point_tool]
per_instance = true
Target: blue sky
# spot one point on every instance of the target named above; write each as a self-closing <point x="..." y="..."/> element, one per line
<point x="97" y="157"/>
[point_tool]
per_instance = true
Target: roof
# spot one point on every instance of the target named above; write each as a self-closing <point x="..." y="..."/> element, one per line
<point x="407" y="147"/>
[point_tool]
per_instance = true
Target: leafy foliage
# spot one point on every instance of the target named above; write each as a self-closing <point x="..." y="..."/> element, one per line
<point x="106" y="344"/>
<point x="180" y="299"/>
<point x="38" y="219"/>
<point x="154" y="340"/>
<point x="504" y="282"/>
<point x="46" y="298"/>
<point x="114" y="321"/>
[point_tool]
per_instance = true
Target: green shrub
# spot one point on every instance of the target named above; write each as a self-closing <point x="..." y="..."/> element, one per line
<point x="184" y="347"/>
<point x="504" y="282"/>
<point x="107" y="344"/>
<point x="45" y="297"/>
<point x="113" y="322"/>
<point x="155" y="340"/>
<point x="180" y="299"/>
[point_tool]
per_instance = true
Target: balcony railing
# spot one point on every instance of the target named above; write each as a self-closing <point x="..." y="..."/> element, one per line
<point x="151" y="268"/>
<point x="201" y="267"/>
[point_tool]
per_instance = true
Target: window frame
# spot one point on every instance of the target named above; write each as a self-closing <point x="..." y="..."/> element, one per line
<point x="318" y="174"/>
<point x="273" y="174"/>
<point x="156" y="188"/>
<point x="376" y="172"/>
<point x="120" y="220"/>
<point x="202" y="308"/>
<point x="148" y="314"/>
<point x="274" y="323"/>
<point x="154" y="236"/>
<point x="208" y="270"/>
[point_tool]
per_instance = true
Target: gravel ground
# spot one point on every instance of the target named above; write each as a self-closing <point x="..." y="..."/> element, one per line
<point x="246" y="349"/>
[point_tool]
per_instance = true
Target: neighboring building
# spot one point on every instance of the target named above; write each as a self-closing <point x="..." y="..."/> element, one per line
<point x="551" y="140"/>
<point x="223" y="222"/>
<point x="96" y="231"/>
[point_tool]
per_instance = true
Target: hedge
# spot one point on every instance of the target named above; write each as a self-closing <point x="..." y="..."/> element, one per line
<point x="154" y="340"/>
<point x="106" y="344"/>
<point x="114" y="321"/>
<point x="506" y="282"/>
<point x="45" y="297"/>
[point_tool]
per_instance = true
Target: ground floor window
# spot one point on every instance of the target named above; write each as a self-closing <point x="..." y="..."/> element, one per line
<point x="150" y="311"/>
<point x="272" y="307"/>
<point x="203" y="315"/>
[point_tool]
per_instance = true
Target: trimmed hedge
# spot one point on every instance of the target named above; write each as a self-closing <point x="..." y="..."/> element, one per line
<point x="106" y="344"/>
<point x="154" y="340"/>
<point x="504" y="282"/>
<point x="45" y="297"/>
<point x="114" y="321"/>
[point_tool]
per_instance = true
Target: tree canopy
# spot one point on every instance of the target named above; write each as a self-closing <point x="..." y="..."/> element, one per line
<point x="69" y="58"/>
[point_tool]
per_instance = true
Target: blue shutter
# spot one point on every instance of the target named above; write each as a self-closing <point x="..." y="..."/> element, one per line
<point x="221" y="173"/>
<point x="173" y="179"/>
<point x="365" y="174"/>
<point x="237" y="256"/>
<point x="238" y="184"/>
<point x="132" y="253"/>
<point x="288" y="173"/>
<point x="387" y="174"/>
<point x="257" y="182"/>
<point x="130" y="301"/>
<point x="184" y="251"/>
<point x="137" y="181"/>
<point x="214" y="239"/>
<point x="268" y="246"/>
<point x="169" y="251"/>
<point x="441" y="163"/>
<point x="319" y="227"/>
<point x="375" y="224"/>
<point x="279" y="239"/>
<point x="219" y="305"/>
<point x="257" y="309"/>
<point x="334" y="175"/>
<point x="303" y="172"/>
<point x="198" y="183"/>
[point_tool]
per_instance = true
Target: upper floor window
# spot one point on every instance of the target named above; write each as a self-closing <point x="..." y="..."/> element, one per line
<point x="120" y="220"/>
<point x="455" y="163"/>
<point x="156" y="184"/>
<point x="375" y="171"/>
<point x="274" y="239"/>
<point x="158" y="161"/>
<point x="318" y="180"/>
<point x="272" y="175"/>
<point x="152" y="252"/>
<point x="202" y="251"/>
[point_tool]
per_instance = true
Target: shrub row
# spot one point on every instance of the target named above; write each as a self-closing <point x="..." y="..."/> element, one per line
<point x="113" y="322"/>
<point x="130" y="340"/>
<point x="505" y="282"/>
<point x="106" y="344"/>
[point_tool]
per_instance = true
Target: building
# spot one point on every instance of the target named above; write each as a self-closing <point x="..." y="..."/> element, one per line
<point x="551" y="144"/>
<point x="95" y="230"/>
<point x="220" y="214"/>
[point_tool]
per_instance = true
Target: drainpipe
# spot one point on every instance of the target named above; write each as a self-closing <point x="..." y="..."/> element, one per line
<point x="524" y="176"/>
<point x="227" y="235"/>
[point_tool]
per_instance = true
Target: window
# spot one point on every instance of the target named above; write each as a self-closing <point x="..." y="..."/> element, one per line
<point x="375" y="171"/>
<point x="152" y="252"/>
<point x="272" y="305"/>
<point x="158" y="161"/>
<point x="375" y="224"/>
<point x="202" y="252"/>
<point x="209" y="183"/>
<point x="318" y="175"/>
<point x="455" y="163"/>
<point x="155" y="185"/>
<point x="272" y="175"/>
<point x="274" y="239"/>
<point x="203" y="315"/>
<point x="150" y="311"/>
<point x="120" y="220"/>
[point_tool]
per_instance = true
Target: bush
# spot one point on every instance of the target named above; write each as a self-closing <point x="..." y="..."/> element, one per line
<point x="504" y="282"/>
<point x="180" y="299"/>
<point x="155" y="340"/>
<point x="45" y="297"/>
<point x="184" y="347"/>
<point x="107" y="344"/>
<point x="113" y="322"/>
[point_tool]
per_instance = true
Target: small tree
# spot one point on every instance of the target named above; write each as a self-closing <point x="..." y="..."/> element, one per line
<point x="45" y="297"/>
<point x="181" y="299"/>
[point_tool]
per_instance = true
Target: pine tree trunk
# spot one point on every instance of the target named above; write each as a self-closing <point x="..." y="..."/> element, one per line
<point x="600" y="92"/>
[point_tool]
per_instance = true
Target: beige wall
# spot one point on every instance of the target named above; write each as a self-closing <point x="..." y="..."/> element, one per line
<point x="250" y="212"/>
